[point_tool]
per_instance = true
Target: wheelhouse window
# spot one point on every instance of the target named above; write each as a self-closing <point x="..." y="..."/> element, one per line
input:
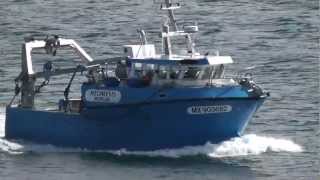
<point x="176" y="74"/>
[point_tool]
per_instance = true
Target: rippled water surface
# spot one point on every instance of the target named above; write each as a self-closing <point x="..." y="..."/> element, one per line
<point x="276" y="39"/>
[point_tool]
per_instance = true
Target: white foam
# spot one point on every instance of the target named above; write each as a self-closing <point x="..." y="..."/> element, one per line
<point x="250" y="144"/>
<point x="2" y="120"/>
<point x="10" y="147"/>
<point x="241" y="146"/>
<point x="22" y="147"/>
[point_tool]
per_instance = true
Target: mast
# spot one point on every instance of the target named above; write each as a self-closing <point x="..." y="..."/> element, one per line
<point x="170" y="8"/>
<point x="166" y="40"/>
<point x="166" y="43"/>
<point x="187" y="31"/>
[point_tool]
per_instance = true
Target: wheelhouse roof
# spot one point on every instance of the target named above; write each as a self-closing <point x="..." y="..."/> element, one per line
<point x="204" y="60"/>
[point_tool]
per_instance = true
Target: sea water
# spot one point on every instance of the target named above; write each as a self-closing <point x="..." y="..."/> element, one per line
<point x="276" y="41"/>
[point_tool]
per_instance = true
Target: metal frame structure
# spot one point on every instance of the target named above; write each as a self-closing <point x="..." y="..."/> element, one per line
<point x="28" y="76"/>
<point x="166" y="33"/>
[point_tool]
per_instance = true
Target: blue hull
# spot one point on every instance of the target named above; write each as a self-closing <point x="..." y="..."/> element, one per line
<point x="145" y="126"/>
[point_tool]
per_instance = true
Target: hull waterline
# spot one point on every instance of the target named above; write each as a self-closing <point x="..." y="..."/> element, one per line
<point x="148" y="126"/>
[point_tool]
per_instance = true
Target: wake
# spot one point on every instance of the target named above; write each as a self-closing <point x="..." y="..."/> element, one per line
<point x="250" y="144"/>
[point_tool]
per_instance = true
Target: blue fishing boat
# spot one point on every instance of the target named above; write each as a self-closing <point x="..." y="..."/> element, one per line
<point x="143" y="100"/>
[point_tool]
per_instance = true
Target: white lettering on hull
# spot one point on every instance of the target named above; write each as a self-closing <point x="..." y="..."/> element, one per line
<point x="107" y="96"/>
<point x="209" y="109"/>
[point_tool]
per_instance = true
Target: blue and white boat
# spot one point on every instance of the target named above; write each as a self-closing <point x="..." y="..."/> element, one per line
<point x="141" y="101"/>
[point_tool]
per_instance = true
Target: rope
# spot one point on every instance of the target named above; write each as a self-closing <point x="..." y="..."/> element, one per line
<point x="67" y="89"/>
<point x="16" y="92"/>
<point x="44" y="83"/>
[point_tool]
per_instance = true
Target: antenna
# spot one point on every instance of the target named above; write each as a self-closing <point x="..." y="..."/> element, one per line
<point x="169" y="6"/>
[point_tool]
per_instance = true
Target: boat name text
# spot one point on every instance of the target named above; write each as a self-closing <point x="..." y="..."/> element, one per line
<point x="209" y="109"/>
<point x="108" y="96"/>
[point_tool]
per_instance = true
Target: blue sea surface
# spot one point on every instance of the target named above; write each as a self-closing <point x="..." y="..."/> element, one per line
<point x="276" y="40"/>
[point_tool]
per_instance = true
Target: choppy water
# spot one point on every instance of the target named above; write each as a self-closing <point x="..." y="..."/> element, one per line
<point x="276" y="40"/>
